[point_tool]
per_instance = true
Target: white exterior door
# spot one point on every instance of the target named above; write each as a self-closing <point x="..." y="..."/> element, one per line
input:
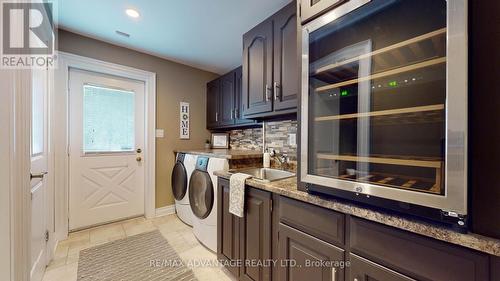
<point x="107" y="133"/>
<point x="39" y="168"/>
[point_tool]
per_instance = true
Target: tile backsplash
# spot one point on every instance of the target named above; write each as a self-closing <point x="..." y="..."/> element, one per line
<point x="276" y="137"/>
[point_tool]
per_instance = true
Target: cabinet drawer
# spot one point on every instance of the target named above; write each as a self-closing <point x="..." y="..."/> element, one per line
<point x="363" y="269"/>
<point x="414" y="255"/>
<point x="321" y="223"/>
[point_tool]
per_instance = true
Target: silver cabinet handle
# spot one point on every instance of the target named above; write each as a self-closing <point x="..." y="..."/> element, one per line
<point x="236" y="113"/>
<point x="216" y="116"/>
<point x="37" y="175"/>
<point x="277" y="92"/>
<point x="232" y="114"/>
<point x="334" y="274"/>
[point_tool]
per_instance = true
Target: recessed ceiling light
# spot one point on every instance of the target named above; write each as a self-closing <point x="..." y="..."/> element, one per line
<point x="132" y="13"/>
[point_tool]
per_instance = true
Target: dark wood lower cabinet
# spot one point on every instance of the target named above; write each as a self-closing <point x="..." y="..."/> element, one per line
<point x="361" y="269"/>
<point x="255" y="236"/>
<point x="307" y="242"/>
<point x="228" y="235"/>
<point x="304" y="257"/>
<point x="244" y="244"/>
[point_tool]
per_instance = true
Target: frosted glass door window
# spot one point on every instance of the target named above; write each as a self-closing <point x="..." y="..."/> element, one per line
<point x="108" y="119"/>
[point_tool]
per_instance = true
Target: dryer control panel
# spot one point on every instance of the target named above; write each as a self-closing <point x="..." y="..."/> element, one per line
<point x="202" y="163"/>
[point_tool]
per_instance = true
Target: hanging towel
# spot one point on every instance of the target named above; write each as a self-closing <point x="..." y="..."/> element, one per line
<point x="237" y="193"/>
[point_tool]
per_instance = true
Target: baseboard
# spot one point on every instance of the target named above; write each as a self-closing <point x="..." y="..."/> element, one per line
<point x="164" y="211"/>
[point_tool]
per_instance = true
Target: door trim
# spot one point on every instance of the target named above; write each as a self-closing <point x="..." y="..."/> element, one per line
<point x="15" y="234"/>
<point x="61" y="131"/>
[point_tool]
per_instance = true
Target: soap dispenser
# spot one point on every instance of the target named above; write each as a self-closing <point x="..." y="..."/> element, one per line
<point x="267" y="159"/>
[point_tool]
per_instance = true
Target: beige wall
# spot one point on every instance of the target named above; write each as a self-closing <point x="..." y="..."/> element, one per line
<point x="175" y="83"/>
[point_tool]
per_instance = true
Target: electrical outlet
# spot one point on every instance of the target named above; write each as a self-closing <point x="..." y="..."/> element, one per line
<point x="292" y="139"/>
<point x="160" y="133"/>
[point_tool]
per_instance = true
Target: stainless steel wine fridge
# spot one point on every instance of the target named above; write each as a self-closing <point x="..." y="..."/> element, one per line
<point x="384" y="106"/>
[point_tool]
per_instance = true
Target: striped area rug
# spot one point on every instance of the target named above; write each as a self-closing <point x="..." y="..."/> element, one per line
<point x="143" y="257"/>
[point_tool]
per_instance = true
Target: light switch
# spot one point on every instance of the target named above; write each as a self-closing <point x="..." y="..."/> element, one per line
<point x="292" y="139"/>
<point x="160" y="133"/>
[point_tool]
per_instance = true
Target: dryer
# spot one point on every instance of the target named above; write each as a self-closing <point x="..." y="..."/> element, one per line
<point x="181" y="174"/>
<point x="203" y="199"/>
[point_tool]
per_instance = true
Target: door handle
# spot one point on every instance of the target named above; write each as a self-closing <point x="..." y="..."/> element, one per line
<point x="277" y="93"/>
<point x="334" y="274"/>
<point x="138" y="150"/>
<point x="37" y="175"/>
<point x="138" y="159"/>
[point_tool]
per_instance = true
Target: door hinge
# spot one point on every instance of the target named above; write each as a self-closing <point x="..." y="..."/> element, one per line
<point x="47" y="236"/>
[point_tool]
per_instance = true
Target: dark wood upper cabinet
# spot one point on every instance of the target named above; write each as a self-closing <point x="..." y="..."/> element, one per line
<point x="286" y="59"/>
<point x="270" y="66"/>
<point x="238" y="107"/>
<point x="255" y="235"/>
<point x="308" y="253"/>
<point x="213" y="97"/>
<point x="226" y="100"/>
<point x="310" y="9"/>
<point x="258" y="69"/>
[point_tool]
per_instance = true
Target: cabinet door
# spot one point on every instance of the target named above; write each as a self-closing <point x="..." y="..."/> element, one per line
<point x="227" y="90"/>
<point x="228" y="230"/>
<point x="213" y="89"/>
<point x="255" y="236"/>
<point x="312" y="8"/>
<point x="286" y="59"/>
<point x="362" y="269"/>
<point x="257" y="69"/>
<point x="238" y="99"/>
<point x="315" y="259"/>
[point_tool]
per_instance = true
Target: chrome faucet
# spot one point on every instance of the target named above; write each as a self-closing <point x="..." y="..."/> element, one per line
<point x="282" y="159"/>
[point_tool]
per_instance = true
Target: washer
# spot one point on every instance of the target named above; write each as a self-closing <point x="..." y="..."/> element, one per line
<point x="181" y="173"/>
<point x="203" y="199"/>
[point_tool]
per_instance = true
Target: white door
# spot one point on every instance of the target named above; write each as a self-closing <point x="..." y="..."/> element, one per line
<point x="39" y="168"/>
<point x="107" y="135"/>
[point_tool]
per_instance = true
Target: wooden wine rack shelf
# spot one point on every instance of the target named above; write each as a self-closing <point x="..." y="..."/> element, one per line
<point x="400" y="111"/>
<point x="411" y="161"/>
<point x="384" y="74"/>
<point x="412" y="43"/>
<point x="424" y="162"/>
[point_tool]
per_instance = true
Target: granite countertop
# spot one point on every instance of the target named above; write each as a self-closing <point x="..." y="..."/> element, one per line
<point x="288" y="188"/>
<point x="224" y="153"/>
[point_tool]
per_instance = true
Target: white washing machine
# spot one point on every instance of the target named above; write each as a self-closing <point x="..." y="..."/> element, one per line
<point x="181" y="174"/>
<point x="203" y="199"/>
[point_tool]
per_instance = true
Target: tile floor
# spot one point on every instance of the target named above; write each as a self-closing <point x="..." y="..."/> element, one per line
<point x="180" y="236"/>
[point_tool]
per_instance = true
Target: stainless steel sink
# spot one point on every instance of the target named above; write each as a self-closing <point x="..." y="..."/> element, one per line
<point x="267" y="174"/>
